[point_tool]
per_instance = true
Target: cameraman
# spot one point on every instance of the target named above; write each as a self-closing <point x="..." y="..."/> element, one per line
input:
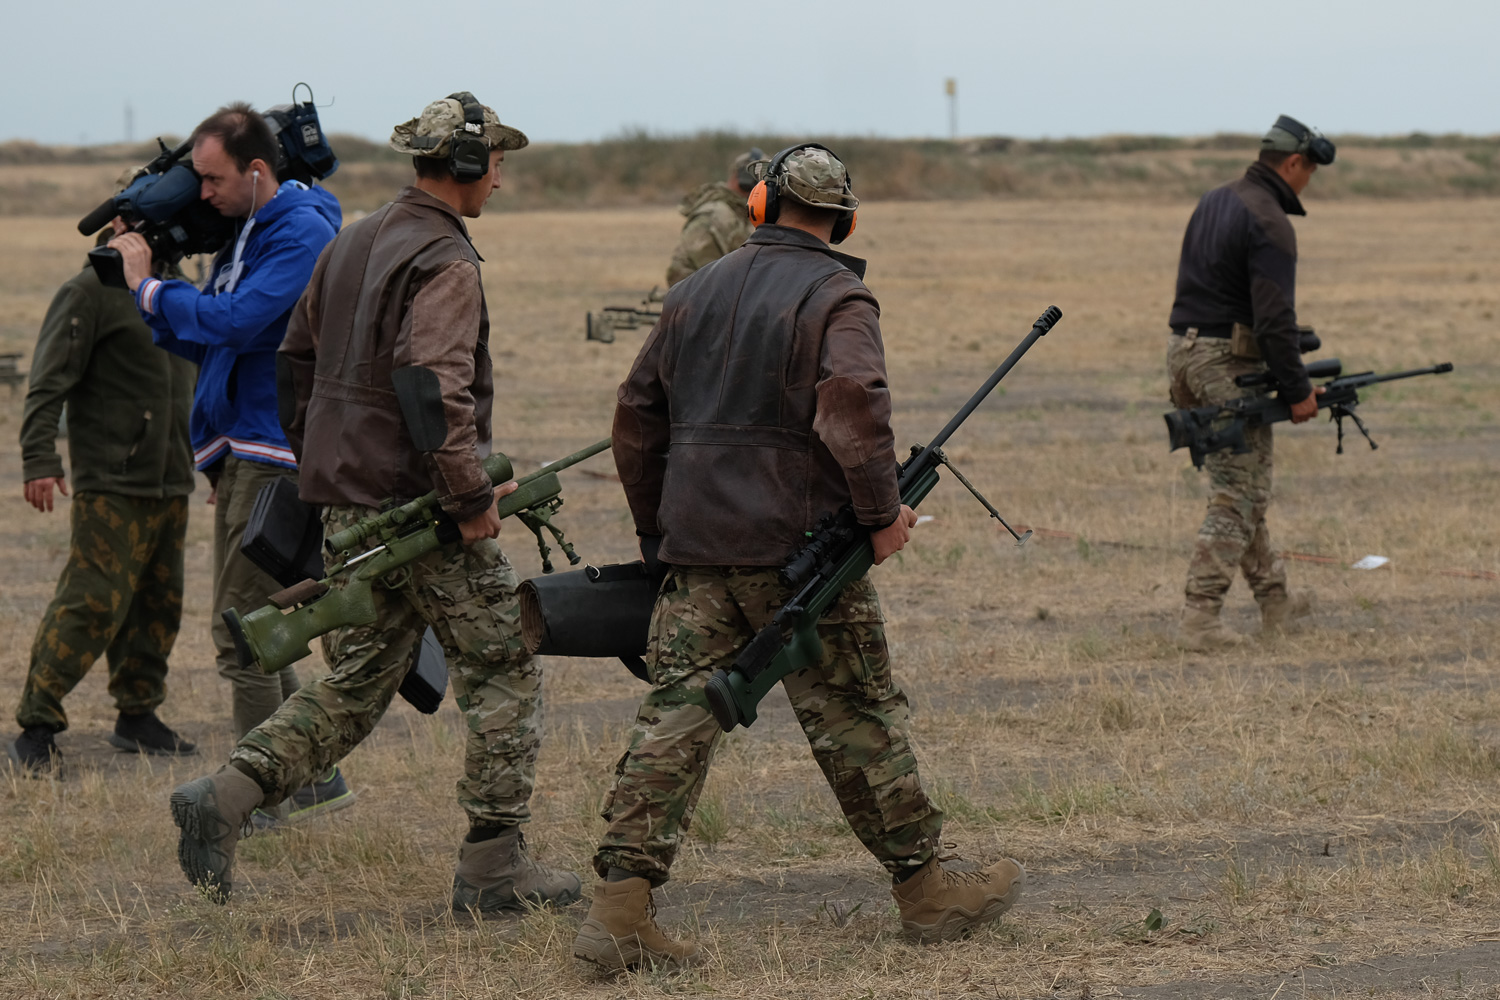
<point x="231" y="329"/>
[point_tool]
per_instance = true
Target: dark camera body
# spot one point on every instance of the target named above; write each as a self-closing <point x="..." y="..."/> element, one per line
<point x="162" y="204"/>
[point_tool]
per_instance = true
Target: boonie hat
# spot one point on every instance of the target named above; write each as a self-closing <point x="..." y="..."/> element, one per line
<point x="431" y="133"/>
<point x="815" y="177"/>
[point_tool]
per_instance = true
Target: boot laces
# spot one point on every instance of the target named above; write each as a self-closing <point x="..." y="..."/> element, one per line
<point x="973" y="878"/>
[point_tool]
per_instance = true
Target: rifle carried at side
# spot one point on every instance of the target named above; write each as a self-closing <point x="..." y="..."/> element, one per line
<point x="601" y="326"/>
<point x="274" y="636"/>
<point x="1207" y="429"/>
<point x="839" y="553"/>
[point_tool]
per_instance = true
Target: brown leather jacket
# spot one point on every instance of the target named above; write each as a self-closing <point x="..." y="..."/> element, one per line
<point x="399" y="287"/>
<point x="758" y="403"/>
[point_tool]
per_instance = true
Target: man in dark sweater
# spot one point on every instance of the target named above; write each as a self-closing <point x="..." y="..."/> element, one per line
<point x="1234" y="314"/>
<point x="120" y="593"/>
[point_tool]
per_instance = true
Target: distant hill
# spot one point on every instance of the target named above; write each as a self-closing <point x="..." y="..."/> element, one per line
<point x="645" y="169"/>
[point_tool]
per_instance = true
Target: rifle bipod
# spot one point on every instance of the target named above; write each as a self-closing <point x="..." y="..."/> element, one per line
<point x="942" y="458"/>
<point x="539" y="519"/>
<point x="1337" y="415"/>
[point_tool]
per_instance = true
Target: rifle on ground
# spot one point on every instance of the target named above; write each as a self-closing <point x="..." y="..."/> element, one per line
<point x="601" y="326"/>
<point x="277" y="635"/>
<point x="839" y="553"/>
<point x="1207" y="429"/>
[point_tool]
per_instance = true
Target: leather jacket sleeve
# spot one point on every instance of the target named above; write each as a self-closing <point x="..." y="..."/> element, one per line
<point x="853" y="417"/>
<point x="296" y="360"/>
<point x="642" y="432"/>
<point x="441" y="332"/>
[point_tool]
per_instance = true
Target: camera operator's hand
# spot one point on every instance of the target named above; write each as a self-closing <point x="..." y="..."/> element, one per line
<point x="486" y="525"/>
<point x="39" y="491"/>
<point x="136" y="254"/>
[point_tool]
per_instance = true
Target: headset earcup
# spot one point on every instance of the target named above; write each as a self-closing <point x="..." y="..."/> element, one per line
<point x="843" y="227"/>
<point x="468" y="159"/>
<point x="756" y="204"/>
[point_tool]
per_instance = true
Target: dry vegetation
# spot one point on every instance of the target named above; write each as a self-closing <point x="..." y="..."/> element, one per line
<point x="1317" y="817"/>
<point x="639" y="169"/>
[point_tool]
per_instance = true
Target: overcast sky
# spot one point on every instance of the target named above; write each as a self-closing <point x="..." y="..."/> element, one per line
<point x="562" y="70"/>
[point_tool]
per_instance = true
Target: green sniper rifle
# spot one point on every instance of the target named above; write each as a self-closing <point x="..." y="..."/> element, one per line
<point x="837" y="554"/>
<point x="601" y="326"/>
<point x="1208" y="429"/>
<point x="277" y="635"/>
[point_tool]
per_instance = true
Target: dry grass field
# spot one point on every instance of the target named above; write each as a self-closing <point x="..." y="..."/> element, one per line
<point x="1317" y="817"/>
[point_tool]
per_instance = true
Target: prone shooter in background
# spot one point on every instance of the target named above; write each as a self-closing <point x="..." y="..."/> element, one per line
<point x="717" y="222"/>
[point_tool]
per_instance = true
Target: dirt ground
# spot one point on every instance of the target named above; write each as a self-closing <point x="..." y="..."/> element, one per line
<point x="1314" y="817"/>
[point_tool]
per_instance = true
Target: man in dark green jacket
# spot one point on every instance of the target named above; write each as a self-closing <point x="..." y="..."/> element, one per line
<point x="120" y="593"/>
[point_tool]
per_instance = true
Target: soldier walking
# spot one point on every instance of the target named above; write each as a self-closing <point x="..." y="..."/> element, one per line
<point x="1235" y="314"/>
<point x="388" y="349"/>
<point x="763" y="391"/>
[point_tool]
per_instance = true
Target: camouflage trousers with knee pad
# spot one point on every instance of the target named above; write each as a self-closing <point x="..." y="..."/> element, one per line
<point x="856" y="719"/>
<point x="1233" y="535"/>
<point x="467" y="594"/>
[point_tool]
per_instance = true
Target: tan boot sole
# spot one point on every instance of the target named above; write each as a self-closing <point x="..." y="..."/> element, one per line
<point x="1211" y="641"/>
<point x="957" y="921"/>
<point x="612" y="954"/>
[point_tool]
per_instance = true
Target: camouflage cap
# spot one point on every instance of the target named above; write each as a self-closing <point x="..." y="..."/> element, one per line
<point x="430" y="134"/>
<point x="814" y="177"/>
<point x="740" y="167"/>
<point x="127" y="177"/>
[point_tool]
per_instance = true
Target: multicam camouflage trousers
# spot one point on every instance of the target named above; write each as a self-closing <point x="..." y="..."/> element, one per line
<point x="1233" y="534"/>
<point x="467" y="594"/>
<point x="854" y="714"/>
<point x="120" y="597"/>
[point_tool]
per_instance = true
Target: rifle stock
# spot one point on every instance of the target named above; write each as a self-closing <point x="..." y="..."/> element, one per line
<point x="278" y="634"/>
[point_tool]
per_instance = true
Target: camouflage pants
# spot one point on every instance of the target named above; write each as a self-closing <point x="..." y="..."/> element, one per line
<point x="854" y="714"/>
<point x="239" y="583"/>
<point x="467" y="594"/>
<point x="120" y="597"/>
<point x="1234" y="533"/>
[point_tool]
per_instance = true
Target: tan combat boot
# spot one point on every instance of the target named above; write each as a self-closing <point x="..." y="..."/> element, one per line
<point x="1281" y="612"/>
<point x="497" y="875"/>
<point x="937" y="904"/>
<point x="1200" y="631"/>
<point x="620" y="931"/>
<point x="212" y="812"/>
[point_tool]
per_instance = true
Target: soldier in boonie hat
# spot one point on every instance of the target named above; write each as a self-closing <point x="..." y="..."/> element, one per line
<point x="432" y="132"/>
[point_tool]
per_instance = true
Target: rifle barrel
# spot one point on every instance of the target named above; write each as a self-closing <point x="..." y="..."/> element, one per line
<point x="1039" y="329"/>
<point x="1370" y="378"/>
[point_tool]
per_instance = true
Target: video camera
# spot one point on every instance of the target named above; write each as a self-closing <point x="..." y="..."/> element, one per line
<point x="163" y="205"/>
<point x="163" y="202"/>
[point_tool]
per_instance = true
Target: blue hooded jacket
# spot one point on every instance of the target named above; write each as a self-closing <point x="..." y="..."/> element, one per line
<point x="233" y="326"/>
